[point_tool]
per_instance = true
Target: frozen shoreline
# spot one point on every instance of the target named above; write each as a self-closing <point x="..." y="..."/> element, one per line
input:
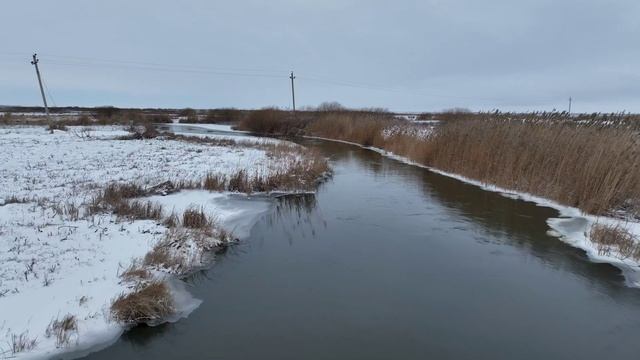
<point x="572" y="227"/>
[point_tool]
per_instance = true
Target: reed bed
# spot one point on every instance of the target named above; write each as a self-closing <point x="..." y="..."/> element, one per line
<point x="591" y="162"/>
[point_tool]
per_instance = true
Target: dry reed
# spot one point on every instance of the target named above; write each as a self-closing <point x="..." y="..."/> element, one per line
<point x="150" y="303"/>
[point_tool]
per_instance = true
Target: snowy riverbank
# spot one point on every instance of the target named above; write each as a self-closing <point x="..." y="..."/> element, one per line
<point x="60" y="262"/>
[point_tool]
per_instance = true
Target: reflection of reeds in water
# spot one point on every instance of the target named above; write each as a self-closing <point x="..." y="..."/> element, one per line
<point x="297" y="215"/>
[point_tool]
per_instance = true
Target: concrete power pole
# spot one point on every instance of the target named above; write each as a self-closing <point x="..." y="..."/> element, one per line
<point x="44" y="98"/>
<point x="293" y="93"/>
<point x="570" y="101"/>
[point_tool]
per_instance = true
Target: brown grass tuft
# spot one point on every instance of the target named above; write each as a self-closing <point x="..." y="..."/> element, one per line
<point x="616" y="238"/>
<point x="162" y="256"/>
<point x="240" y="182"/>
<point x="194" y="218"/>
<point x="214" y="182"/>
<point x="63" y="330"/>
<point x="115" y="198"/>
<point x="135" y="273"/>
<point x="150" y="303"/>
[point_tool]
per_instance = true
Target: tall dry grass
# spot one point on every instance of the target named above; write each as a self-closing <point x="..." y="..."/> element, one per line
<point x="593" y="168"/>
<point x="590" y="161"/>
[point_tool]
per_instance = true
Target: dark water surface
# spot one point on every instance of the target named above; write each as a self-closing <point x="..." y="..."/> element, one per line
<point x="390" y="261"/>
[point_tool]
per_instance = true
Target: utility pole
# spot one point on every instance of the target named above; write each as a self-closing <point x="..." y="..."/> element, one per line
<point x="570" y="101"/>
<point x="293" y="94"/>
<point x="44" y="98"/>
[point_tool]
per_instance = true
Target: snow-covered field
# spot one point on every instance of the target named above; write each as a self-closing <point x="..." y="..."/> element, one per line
<point x="58" y="262"/>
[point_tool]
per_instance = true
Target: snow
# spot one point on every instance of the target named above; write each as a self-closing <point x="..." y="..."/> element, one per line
<point x="55" y="264"/>
<point x="236" y="212"/>
<point x="571" y="227"/>
<point x="215" y="127"/>
<point x="418" y="131"/>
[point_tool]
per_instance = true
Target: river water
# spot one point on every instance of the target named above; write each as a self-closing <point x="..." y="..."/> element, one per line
<point x="391" y="261"/>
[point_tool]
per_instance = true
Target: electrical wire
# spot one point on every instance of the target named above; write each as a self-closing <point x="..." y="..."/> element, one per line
<point x="76" y="61"/>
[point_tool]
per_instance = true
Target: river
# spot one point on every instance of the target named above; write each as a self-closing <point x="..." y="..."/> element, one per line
<point x="391" y="261"/>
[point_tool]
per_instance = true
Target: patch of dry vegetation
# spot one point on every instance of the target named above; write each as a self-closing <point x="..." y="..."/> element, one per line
<point x="271" y="121"/>
<point x="151" y="302"/>
<point x="615" y="239"/>
<point x="195" y="218"/>
<point x="135" y="273"/>
<point x="63" y="330"/>
<point x="22" y="343"/>
<point x="117" y="199"/>
<point x="592" y="168"/>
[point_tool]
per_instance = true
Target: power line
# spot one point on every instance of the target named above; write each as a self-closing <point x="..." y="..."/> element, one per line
<point x="75" y="61"/>
<point x="164" y="69"/>
<point x="49" y="93"/>
<point x="95" y="61"/>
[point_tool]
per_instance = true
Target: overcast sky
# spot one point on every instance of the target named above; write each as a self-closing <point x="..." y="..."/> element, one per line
<point x="403" y="55"/>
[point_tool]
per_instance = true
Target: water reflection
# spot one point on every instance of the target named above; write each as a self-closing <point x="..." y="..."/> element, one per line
<point x="297" y="215"/>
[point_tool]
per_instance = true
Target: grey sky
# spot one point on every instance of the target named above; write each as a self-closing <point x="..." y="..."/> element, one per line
<point x="404" y="55"/>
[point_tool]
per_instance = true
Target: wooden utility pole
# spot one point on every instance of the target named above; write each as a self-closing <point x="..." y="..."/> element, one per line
<point x="293" y="93"/>
<point x="44" y="98"/>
